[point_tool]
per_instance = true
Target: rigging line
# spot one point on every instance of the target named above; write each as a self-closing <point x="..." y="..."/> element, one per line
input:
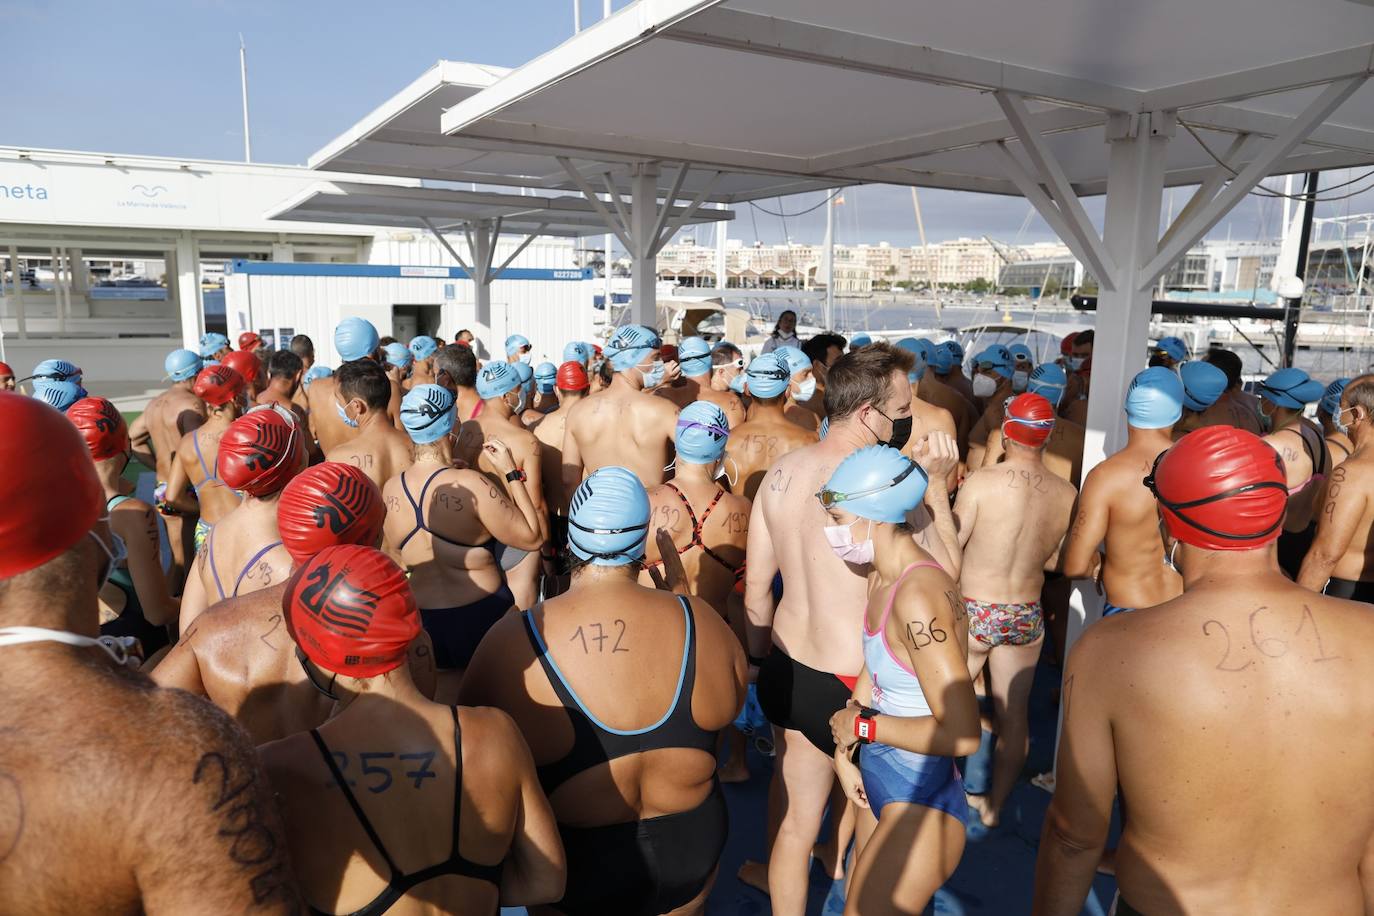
<point x="1275" y="194"/>
<point x="1257" y="347"/>
<point x="833" y="194"/>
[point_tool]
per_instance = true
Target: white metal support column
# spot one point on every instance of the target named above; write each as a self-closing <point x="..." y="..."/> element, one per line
<point x="188" y="290"/>
<point x="17" y="289"/>
<point x="643" y="214"/>
<point x="58" y="290"/>
<point x="482" y="237"/>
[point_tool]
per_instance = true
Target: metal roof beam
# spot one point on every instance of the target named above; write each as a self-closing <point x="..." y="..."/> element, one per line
<point x="662" y="238"/>
<point x="447" y="247"/>
<point x="1281" y="77"/>
<point x="1217" y="176"/>
<point x="621" y="231"/>
<point x="1190" y="232"/>
<point x="1240" y="120"/>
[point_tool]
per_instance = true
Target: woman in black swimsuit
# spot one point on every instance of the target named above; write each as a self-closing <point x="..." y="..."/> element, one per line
<point x="397" y="804"/>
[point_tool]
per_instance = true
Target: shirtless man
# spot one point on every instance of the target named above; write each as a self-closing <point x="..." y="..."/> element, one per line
<point x="362" y="391"/>
<point x="694" y="357"/>
<point x="354" y="340"/>
<point x="925" y="416"/>
<point x="304" y="347"/>
<point x="1284" y="397"/>
<point x="814" y="632"/>
<point x="154" y="436"/>
<point x="757" y="443"/>
<point x="1114" y="508"/>
<point x="801" y="388"/>
<point x="621" y="426"/>
<point x="239" y="655"/>
<point x="518" y="349"/>
<point x="455" y="368"/>
<point x="572" y="385"/>
<point x="285" y="372"/>
<point x="1012" y="520"/>
<point x="7" y="376"/>
<point x="221" y="390"/>
<point x="258" y="455"/>
<point x="1176" y="706"/>
<point x="993" y="370"/>
<point x="1063" y="454"/>
<point x="214" y="347"/>
<point x="708" y="526"/>
<point x="932" y="388"/>
<point x="154" y="830"/>
<point x="1236" y="407"/>
<point x="422" y="350"/>
<point x="727" y="367"/>
<point x="498" y="383"/>
<point x="247" y="364"/>
<point x="1341" y="560"/>
<point x="1078" y="365"/>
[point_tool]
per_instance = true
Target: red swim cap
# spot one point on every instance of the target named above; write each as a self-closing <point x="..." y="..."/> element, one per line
<point x="245" y="363"/>
<point x="1221" y="488"/>
<point x="249" y="340"/>
<point x="217" y="385"/>
<point x="572" y="376"/>
<point x="351" y="611"/>
<point x="1029" y="420"/>
<point x="1066" y="344"/>
<point x="260" y="452"/>
<point x="6" y="370"/>
<point x="52" y="497"/>
<point x="330" y="504"/>
<point x="101" y="425"/>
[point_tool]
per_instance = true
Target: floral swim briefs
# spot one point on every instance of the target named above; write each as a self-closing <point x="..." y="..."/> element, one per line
<point x="994" y="624"/>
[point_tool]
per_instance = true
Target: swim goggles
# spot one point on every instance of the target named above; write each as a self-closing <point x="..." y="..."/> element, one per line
<point x="1176" y="508"/>
<point x="831" y="498"/>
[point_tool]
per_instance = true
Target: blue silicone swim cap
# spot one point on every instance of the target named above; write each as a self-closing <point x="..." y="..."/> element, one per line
<point x="767" y="376"/>
<point x="515" y="343"/>
<point x="793" y="359"/>
<point x="859" y="340"/>
<point x="1174" y="348"/>
<point x="1291" y="388"/>
<point x="577" y="352"/>
<point x="956" y="348"/>
<point x="944" y="359"/>
<point x="211" y="343"/>
<point x="1021" y="353"/>
<point x="59" y="394"/>
<point x="878" y="483"/>
<point x="398" y="354"/>
<point x="1048" y="381"/>
<point x="915" y="348"/>
<point x="314" y="372"/>
<point x="997" y="358"/>
<point x="694" y="356"/>
<point x="701" y="433"/>
<point x="526" y="375"/>
<point x="56" y="370"/>
<point x="181" y="365"/>
<point x="495" y="379"/>
<point x="608" y="518"/>
<point x="1331" y="398"/>
<point x="1203" y="383"/>
<point x="427" y="413"/>
<point x="630" y="345"/>
<point x="355" y="338"/>
<point x="1155" y="399"/>
<point x="544" y="376"/>
<point x="423" y="347"/>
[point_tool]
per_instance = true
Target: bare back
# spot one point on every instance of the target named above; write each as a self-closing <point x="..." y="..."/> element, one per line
<point x="621" y="426"/>
<point x="1306" y="462"/>
<point x="242" y="555"/>
<point x="723" y="527"/>
<point x="1234" y="408"/>
<point x="198" y="454"/>
<point x="1012" y="519"/>
<point x="380" y="451"/>
<point x="169" y="417"/>
<point x="758" y="444"/>
<point x="1260" y="681"/>
<point x="1063" y="455"/>
<point x="550" y="431"/>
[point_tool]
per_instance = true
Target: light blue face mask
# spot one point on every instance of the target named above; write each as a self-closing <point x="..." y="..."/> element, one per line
<point x="1336" y="421"/>
<point x="1019" y="380"/>
<point x="654" y="377"/>
<point x="1075" y="363"/>
<point x="807" y="391"/>
<point x="343" y="415"/>
<point x="737" y="384"/>
<point x="521" y="404"/>
<point x="526" y="358"/>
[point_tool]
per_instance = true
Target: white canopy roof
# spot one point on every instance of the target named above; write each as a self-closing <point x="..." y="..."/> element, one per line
<point x="401" y="137"/>
<point x="441" y="209"/>
<point x="878" y="91"/>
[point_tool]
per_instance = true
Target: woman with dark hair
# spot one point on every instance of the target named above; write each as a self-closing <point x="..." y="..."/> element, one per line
<point x="784" y="333"/>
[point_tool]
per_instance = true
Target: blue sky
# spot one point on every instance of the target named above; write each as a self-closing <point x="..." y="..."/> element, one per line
<point x="162" y="78"/>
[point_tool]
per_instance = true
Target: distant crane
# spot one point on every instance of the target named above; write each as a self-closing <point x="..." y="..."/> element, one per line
<point x="1009" y="254"/>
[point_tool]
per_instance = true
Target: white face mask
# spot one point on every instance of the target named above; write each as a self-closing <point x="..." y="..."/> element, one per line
<point x="1019" y="380"/>
<point x="983" y="386"/>
<point x="116" y="554"/>
<point x="720" y="471"/>
<point x="806" y="391"/>
<point x="841" y="540"/>
<point x="526" y="358"/>
<point x="116" y="647"/>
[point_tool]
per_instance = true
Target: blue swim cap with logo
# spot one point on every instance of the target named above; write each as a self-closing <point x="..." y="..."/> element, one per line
<point x="793" y="359"/>
<point x="427" y="413"/>
<point x="913" y="346"/>
<point x="526" y="374"/>
<point x="515" y="343"/>
<point x="1331" y="398"/>
<point x="766" y="376"/>
<point x="495" y="379"/>
<point x="877" y="482"/>
<point x="608" y="518"/>
<point x="694" y="356"/>
<point x="398" y="355"/>
<point x="1049" y="381"/>
<point x="944" y="359"/>
<point x="578" y="352"/>
<point x="702" y="430"/>
<point x="545" y="375"/>
<point x="59" y="394"/>
<point x="423" y="347"/>
<point x="211" y="343"/>
<point x="181" y="365"/>
<point x="630" y="344"/>
<point x="1203" y="384"/>
<point x="1154" y="399"/>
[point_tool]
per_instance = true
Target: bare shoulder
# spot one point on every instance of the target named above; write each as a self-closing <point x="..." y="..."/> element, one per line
<point x="928" y="589"/>
<point x="494" y="733"/>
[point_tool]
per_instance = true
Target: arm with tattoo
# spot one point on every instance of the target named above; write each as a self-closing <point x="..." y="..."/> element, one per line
<point x="138" y="527"/>
<point x="1343" y="506"/>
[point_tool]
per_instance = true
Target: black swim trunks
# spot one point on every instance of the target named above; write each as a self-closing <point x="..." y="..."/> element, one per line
<point x="803" y="699"/>
<point x="1353" y="591"/>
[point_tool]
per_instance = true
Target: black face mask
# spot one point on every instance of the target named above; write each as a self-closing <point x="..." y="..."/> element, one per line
<point x="901" y="431"/>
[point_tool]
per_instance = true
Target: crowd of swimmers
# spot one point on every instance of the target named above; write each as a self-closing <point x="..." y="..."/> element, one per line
<point x="445" y="634"/>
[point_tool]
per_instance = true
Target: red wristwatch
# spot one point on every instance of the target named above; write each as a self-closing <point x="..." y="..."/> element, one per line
<point x="515" y="475"/>
<point x="865" y="726"/>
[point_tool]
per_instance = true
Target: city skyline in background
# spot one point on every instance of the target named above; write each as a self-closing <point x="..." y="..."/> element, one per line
<point x="164" y="81"/>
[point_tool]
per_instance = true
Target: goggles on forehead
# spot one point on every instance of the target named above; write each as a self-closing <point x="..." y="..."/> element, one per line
<point x="713" y="430"/>
<point x="779" y="373"/>
<point x="831" y="498"/>
<point x="1176" y="508"/>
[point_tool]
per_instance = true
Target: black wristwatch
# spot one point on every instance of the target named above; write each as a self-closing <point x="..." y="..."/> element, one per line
<point x="517" y="474"/>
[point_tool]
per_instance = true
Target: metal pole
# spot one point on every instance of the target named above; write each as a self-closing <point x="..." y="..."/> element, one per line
<point x="643" y="215"/>
<point x="829" y="264"/>
<point x="605" y="9"/>
<point x="722" y="281"/>
<point x="17" y="287"/>
<point x="577" y="16"/>
<point x="1290" y="322"/>
<point x="243" y="83"/>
